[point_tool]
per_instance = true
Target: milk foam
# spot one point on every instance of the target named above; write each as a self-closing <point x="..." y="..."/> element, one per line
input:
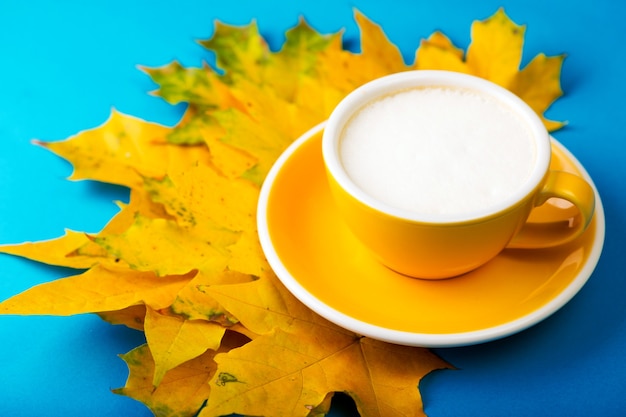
<point x="438" y="150"/>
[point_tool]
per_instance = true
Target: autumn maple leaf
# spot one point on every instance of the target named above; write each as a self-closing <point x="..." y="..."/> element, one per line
<point x="495" y="53"/>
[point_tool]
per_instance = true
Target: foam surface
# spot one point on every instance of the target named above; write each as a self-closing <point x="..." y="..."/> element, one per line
<point x="438" y="150"/>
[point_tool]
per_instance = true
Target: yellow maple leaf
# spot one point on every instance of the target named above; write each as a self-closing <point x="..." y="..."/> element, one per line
<point x="496" y="49"/>
<point x="184" y="389"/>
<point x="96" y="290"/>
<point x="201" y="197"/>
<point x="117" y="152"/>
<point x="123" y="151"/>
<point x="78" y="249"/>
<point x="173" y="340"/>
<point x="378" y="55"/>
<point x="438" y="52"/>
<point x="538" y="84"/>
<point x="495" y="53"/>
<point x="166" y="248"/>
<point x="56" y="251"/>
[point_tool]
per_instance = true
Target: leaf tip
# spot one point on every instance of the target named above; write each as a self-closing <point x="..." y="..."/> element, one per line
<point x="39" y="142"/>
<point x="143" y="68"/>
<point x="356" y="12"/>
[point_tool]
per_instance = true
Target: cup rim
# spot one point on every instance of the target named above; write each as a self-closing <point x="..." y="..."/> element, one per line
<point x="416" y="78"/>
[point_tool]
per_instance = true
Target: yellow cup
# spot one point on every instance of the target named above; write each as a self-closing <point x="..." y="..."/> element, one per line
<point x="442" y="246"/>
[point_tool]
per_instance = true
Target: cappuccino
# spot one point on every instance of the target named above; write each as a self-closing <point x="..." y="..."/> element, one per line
<point x="438" y="150"/>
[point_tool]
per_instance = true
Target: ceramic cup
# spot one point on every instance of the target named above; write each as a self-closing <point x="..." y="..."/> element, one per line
<point x="431" y="244"/>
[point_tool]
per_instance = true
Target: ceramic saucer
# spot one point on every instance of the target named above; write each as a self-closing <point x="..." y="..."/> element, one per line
<point x="320" y="262"/>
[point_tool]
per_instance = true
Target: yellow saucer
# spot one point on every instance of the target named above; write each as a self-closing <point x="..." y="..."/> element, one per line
<point x="324" y="266"/>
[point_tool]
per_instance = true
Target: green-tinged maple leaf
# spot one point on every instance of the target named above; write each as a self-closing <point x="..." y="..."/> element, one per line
<point x="296" y="60"/>
<point x="202" y="127"/>
<point x="195" y="127"/>
<point x="239" y="50"/>
<point x="178" y="84"/>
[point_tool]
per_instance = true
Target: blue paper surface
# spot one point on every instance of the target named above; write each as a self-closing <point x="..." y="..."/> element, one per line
<point x="65" y="65"/>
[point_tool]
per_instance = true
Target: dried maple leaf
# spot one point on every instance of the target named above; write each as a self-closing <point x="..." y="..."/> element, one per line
<point x="182" y="261"/>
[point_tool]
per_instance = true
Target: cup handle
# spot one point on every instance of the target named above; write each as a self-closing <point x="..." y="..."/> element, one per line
<point x="555" y="232"/>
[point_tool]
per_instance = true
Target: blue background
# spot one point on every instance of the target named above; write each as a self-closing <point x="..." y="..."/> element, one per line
<point x="63" y="67"/>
